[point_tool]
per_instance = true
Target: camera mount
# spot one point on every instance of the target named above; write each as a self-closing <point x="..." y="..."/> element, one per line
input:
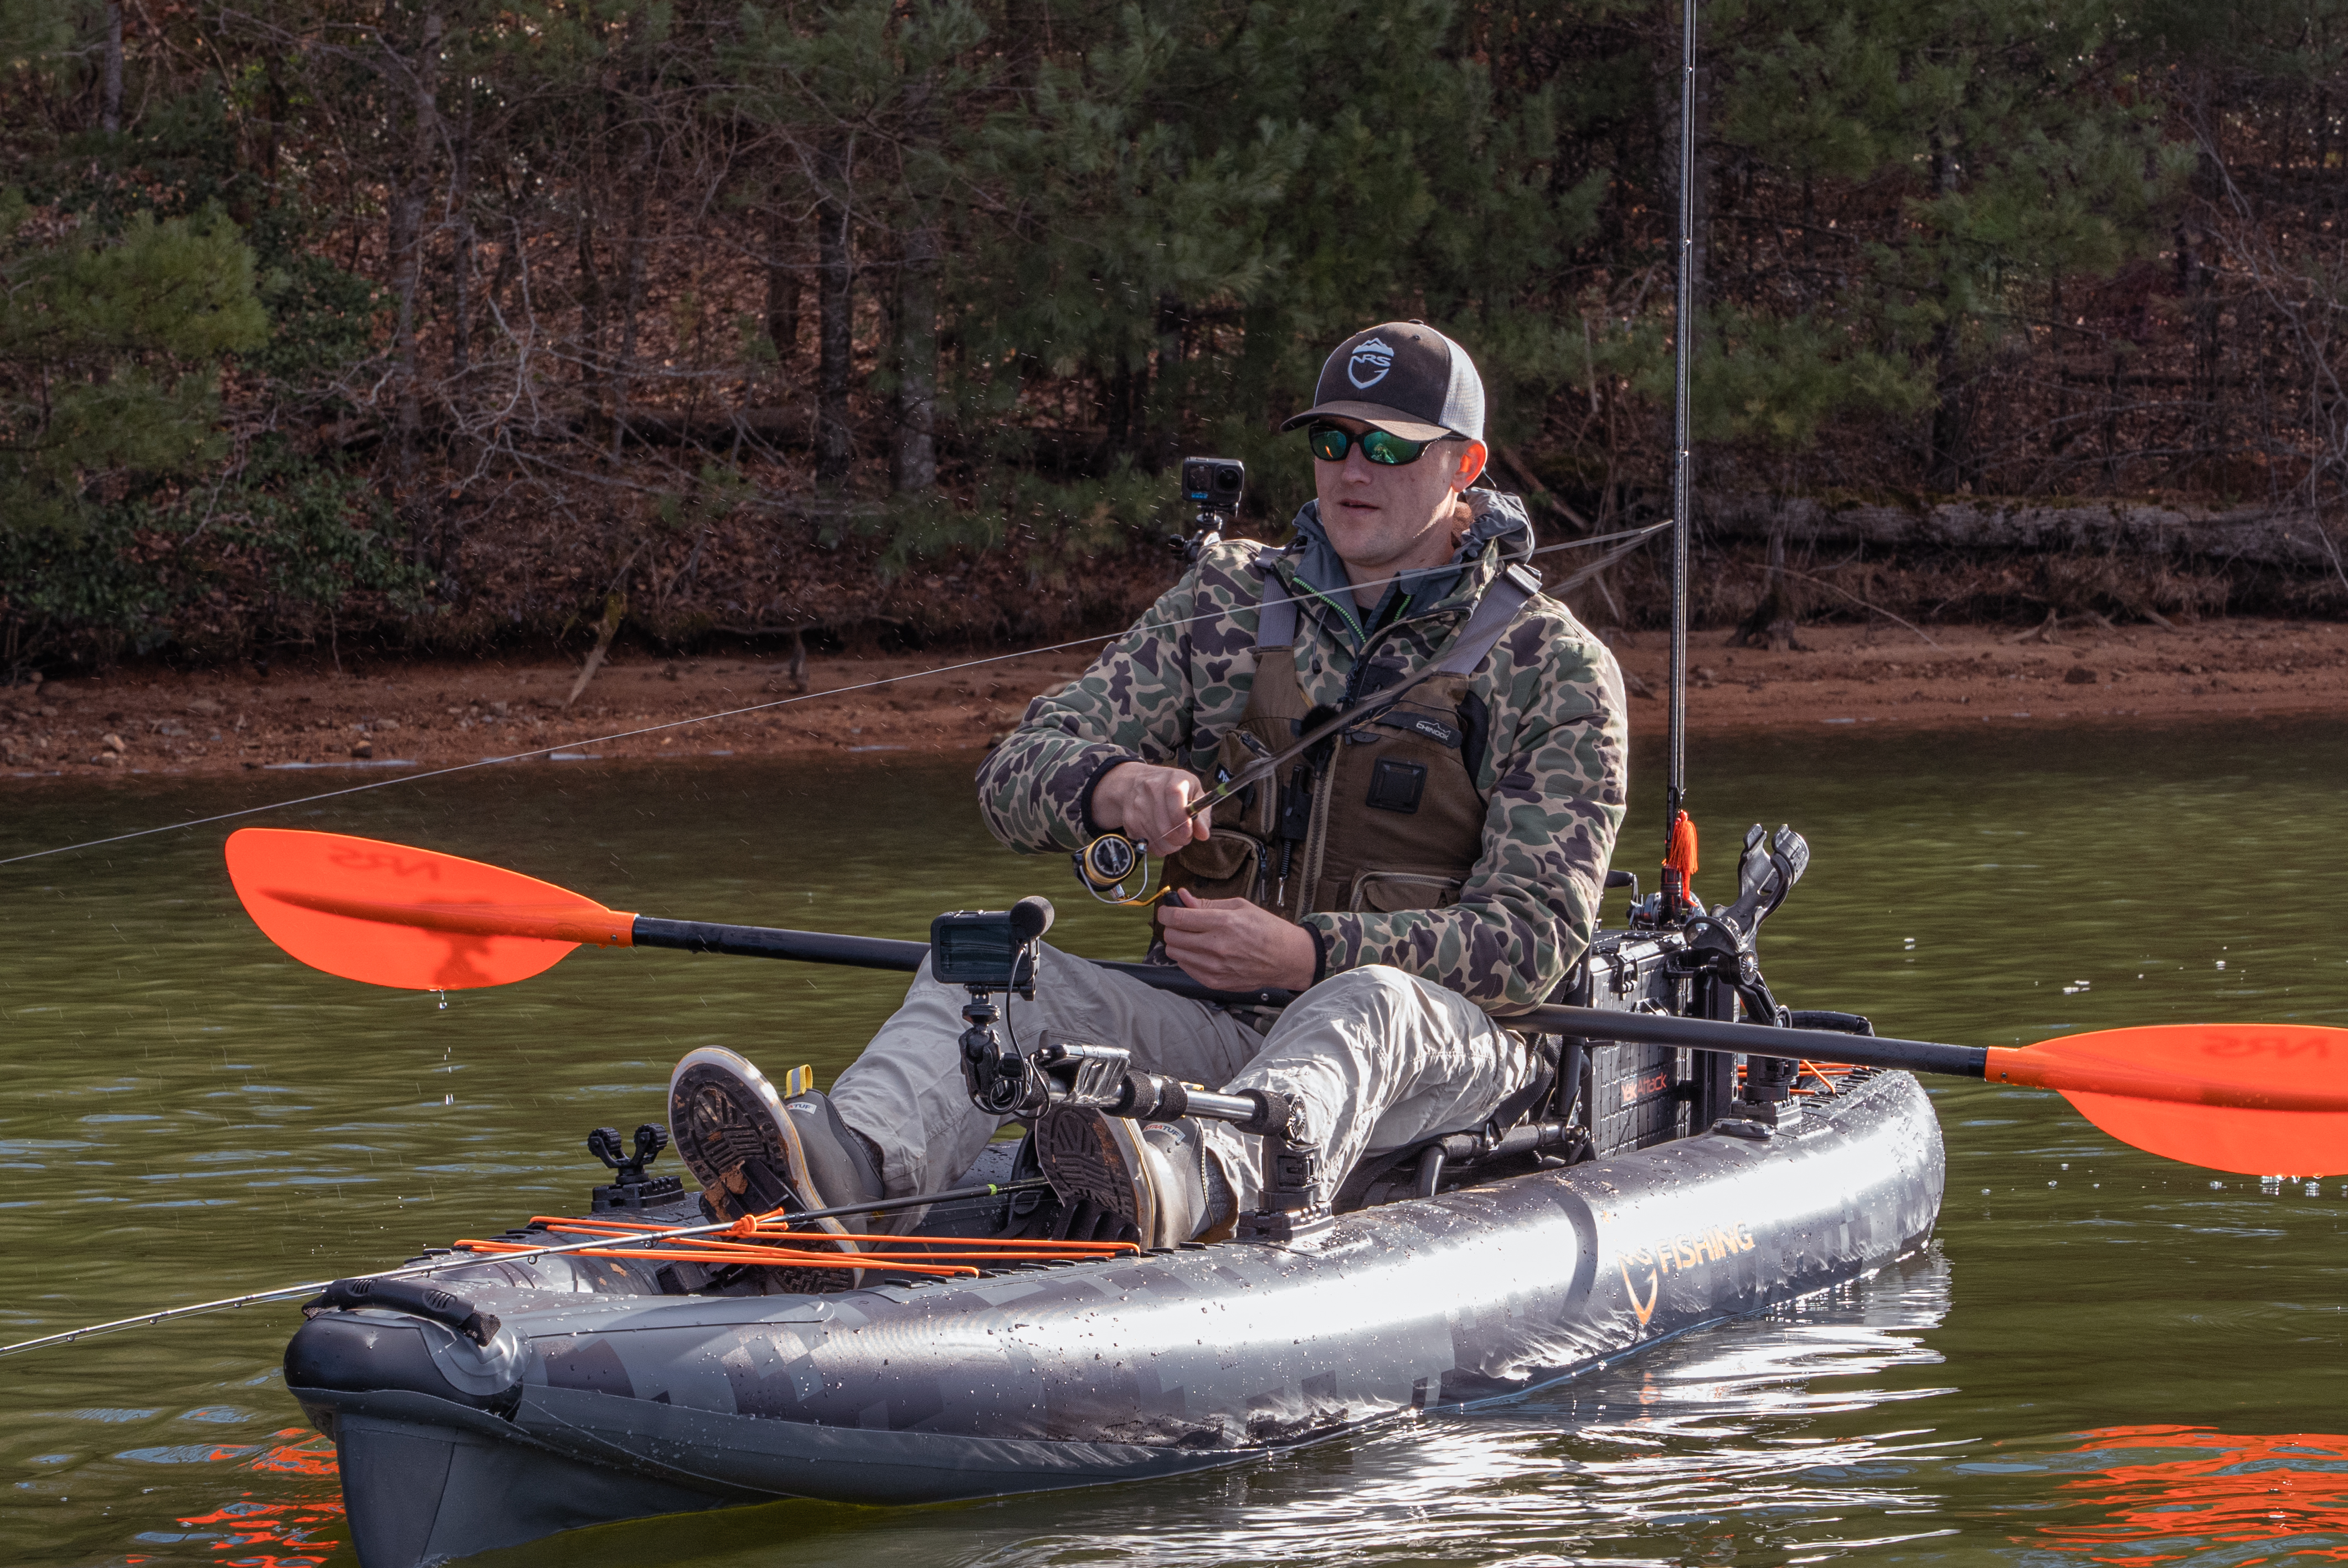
<point x="992" y="951"/>
<point x="987" y="951"/>
<point x="1212" y="485"/>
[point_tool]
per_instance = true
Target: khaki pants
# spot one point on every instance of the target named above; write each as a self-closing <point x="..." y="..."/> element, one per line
<point x="1378" y="1057"/>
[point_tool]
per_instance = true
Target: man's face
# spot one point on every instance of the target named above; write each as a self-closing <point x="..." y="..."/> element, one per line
<point x="1385" y="517"/>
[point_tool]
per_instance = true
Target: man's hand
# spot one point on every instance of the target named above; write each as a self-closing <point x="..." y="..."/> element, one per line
<point x="1235" y="946"/>
<point x="1146" y="803"/>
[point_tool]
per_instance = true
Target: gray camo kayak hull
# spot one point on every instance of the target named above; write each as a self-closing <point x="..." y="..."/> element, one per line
<point x="598" y="1400"/>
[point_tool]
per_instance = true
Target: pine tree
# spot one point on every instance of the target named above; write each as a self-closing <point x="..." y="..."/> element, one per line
<point x="2000" y="152"/>
<point x="110" y="354"/>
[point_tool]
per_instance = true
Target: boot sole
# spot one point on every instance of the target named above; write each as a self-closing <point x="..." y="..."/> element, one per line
<point x="1087" y="1154"/>
<point x="731" y="1131"/>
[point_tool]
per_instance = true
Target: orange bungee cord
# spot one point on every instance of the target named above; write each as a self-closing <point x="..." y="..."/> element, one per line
<point x="759" y="1235"/>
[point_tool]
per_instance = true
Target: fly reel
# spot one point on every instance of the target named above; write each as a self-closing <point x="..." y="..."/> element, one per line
<point x="1105" y="865"/>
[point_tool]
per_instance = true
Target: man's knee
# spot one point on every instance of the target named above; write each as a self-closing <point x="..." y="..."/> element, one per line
<point x="1373" y="993"/>
<point x="1379" y="986"/>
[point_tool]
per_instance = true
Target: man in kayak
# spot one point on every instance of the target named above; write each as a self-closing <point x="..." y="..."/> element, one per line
<point x="1445" y="858"/>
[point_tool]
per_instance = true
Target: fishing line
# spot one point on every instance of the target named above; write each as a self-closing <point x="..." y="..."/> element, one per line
<point x="1634" y="535"/>
<point x="521" y="1255"/>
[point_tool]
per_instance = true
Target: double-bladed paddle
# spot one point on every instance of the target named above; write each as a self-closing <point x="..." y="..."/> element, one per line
<point x="2258" y="1099"/>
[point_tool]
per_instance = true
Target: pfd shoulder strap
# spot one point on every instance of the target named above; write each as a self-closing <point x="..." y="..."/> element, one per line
<point x="1276" y="612"/>
<point x="1275" y="616"/>
<point x="1509" y="592"/>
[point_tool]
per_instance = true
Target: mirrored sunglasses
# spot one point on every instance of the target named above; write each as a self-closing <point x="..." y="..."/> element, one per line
<point x="1330" y="444"/>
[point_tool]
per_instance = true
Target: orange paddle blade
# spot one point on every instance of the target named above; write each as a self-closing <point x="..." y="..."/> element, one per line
<point x="393" y="915"/>
<point x="2261" y="1098"/>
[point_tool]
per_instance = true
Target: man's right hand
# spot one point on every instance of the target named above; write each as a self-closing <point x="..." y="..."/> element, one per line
<point x="1148" y="803"/>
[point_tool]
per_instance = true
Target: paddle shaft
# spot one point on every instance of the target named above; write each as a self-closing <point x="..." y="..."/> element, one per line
<point x="1595" y="1023"/>
<point x="584" y="922"/>
<point x="1754" y="1039"/>
<point x="1998" y="1064"/>
<point x="885" y="953"/>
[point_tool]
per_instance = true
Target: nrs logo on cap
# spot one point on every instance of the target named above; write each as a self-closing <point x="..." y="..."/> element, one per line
<point x="1404" y="377"/>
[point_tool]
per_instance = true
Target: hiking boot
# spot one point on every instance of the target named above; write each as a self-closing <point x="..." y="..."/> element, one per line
<point x="754" y="1152"/>
<point x="1150" y="1183"/>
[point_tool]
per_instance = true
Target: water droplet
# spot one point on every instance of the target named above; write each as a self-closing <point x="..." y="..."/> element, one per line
<point x="2217" y="1187"/>
<point x="2050" y="1183"/>
<point x="2221" y="963"/>
<point x="447" y="1100"/>
<point x="444" y="996"/>
<point x="2066" y="1164"/>
<point x="2314" y="1189"/>
<point x="1985" y="1191"/>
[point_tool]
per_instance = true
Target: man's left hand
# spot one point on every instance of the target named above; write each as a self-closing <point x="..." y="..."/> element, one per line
<point x="1235" y="946"/>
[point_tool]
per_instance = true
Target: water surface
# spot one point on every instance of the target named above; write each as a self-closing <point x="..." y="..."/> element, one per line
<point x="2105" y="1357"/>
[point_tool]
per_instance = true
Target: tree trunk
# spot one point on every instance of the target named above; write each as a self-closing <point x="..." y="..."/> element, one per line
<point x="914" y="464"/>
<point x="834" y="266"/>
<point x="1028" y="34"/>
<point x="1945" y="466"/>
<point x="109" y="102"/>
<point x="1773" y="621"/>
<point x="460" y="264"/>
<point x="631" y="285"/>
<point x="1166" y="428"/>
<point x="782" y="287"/>
<point x="590" y="193"/>
<point x="591" y="311"/>
<point x="1125" y="391"/>
<point x="281" y="108"/>
<point x="407" y="258"/>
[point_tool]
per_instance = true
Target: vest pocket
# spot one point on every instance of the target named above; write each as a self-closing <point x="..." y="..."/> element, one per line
<point x="1253" y="810"/>
<point x="1222" y="867"/>
<point x="1388" y="892"/>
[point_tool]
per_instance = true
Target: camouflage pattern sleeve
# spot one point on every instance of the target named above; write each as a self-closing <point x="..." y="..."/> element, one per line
<point x="1556" y="786"/>
<point x="1162" y="692"/>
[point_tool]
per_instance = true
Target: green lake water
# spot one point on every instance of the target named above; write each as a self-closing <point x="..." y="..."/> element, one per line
<point x="2104" y="1357"/>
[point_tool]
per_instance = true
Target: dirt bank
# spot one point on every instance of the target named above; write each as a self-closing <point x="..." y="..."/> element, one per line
<point x="424" y="715"/>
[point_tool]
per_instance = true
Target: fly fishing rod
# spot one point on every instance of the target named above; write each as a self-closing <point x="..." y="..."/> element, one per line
<point x="1679" y="829"/>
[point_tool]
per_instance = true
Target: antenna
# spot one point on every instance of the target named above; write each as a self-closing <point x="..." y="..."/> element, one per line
<point x="1683" y="479"/>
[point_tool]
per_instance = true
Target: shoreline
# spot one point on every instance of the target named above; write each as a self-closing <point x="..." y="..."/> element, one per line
<point x="151" y="721"/>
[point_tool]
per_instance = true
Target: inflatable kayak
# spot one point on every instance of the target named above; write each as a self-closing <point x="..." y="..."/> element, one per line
<point x="532" y="1383"/>
<point x="516" y="1398"/>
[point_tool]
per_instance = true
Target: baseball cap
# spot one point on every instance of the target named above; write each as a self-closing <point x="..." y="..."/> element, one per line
<point x="1404" y="377"/>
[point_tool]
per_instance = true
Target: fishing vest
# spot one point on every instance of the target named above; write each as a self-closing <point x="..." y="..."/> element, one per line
<point x="1380" y="818"/>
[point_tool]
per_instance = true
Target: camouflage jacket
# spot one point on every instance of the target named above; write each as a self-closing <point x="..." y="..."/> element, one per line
<point x="1553" y="771"/>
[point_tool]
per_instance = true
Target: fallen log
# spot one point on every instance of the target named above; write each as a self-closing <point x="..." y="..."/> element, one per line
<point x="2288" y="538"/>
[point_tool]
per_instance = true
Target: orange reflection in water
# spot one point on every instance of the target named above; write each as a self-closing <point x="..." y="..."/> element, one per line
<point x="2235" y="1490"/>
<point x="247" y="1533"/>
